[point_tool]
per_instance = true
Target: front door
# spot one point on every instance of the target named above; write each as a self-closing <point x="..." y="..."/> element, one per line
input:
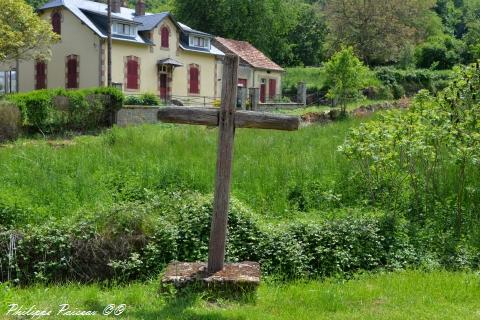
<point x="263" y="91"/>
<point x="163" y="86"/>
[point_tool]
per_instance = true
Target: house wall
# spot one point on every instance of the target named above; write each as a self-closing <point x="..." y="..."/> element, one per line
<point x="148" y="57"/>
<point x="253" y="77"/>
<point x="76" y="39"/>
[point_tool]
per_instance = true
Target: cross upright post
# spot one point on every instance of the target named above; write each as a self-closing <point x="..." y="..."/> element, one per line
<point x="227" y="119"/>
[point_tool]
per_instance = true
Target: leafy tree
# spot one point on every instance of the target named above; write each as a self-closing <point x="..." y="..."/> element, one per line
<point x="23" y="34"/>
<point x="308" y="36"/>
<point x="440" y="53"/>
<point x="378" y="30"/>
<point x="346" y="76"/>
<point x="264" y="23"/>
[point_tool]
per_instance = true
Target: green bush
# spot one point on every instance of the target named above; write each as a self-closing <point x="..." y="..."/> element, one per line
<point x="133" y="101"/>
<point x="425" y="162"/>
<point x="150" y="99"/>
<point x="409" y="82"/>
<point x="58" y="110"/>
<point x="439" y="53"/>
<point x="135" y="240"/>
<point x="10" y="121"/>
<point x="146" y="99"/>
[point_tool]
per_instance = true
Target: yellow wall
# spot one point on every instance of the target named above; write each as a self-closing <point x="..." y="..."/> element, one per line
<point x="76" y="39"/>
<point x="253" y="77"/>
<point x="149" y="55"/>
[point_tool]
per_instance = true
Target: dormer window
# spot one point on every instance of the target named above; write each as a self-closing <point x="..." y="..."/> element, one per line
<point x="124" y="29"/>
<point x="199" y="42"/>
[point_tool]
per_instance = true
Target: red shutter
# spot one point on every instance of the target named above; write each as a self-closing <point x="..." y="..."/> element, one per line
<point x="165" y="36"/>
<point x="57" y="23"/>
<point x="132" y="74"/>
<point x="40" y="78"/>
<point x="72" y="73"/>
<point x="194" y="83"/>
<point x="242" y="82"/>
<point x="272" y="88"/>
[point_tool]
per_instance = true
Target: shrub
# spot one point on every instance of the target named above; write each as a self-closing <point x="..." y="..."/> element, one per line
<point x="133" y="101"/>
<point x="409" y="82"/>
<point x="440" y="52"/>
<point x="425" y="161"/>
<point x="146" y="99"/>
<point x="58" y="110"/>
<point x="150" y="99"/>
<point x="10" y="121"/>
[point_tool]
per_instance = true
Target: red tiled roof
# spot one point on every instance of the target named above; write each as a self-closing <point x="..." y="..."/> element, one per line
<point x="249" y="54"/>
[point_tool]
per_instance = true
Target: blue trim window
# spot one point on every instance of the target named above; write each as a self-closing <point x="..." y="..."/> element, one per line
<point x="199" y="42"/>
<point x="124" y="29"/>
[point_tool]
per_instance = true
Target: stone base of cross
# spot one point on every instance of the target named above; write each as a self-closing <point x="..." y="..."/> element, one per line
<point x="227" y="119"/>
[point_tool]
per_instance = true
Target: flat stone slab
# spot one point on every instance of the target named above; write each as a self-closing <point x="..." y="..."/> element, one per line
<point x="242" y="275"/>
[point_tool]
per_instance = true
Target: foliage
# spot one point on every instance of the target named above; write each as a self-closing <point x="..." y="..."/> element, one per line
<point x="307" y="37"/>
<point x="345" y="77"/>
<point x="24" y="34"/>
<point x="57" y="110"/>
<point x="439" y="53"/>
<point x="266" y="24"/>
<point x="384" y="30"/>
<point x="10" y="121"/>
<point x="425" y="161"/>
<point x="137" y="239"/>
<point x="409" y="82"/>
<point x="146" y="99"/>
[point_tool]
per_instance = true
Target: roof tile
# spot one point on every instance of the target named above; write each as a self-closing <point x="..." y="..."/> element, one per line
<point x="249" y="54"/>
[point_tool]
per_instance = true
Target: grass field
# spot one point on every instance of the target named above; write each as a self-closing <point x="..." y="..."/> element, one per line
<point x="57" y="178"/>
<point x="402" y="295"/>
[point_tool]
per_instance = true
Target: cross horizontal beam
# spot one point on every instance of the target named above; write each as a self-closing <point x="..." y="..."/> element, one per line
<point x="243" y="119"/>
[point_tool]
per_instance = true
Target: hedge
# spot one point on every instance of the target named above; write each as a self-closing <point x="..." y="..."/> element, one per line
<point x="58" y="110"/>
<point x="135" y="240"/>
<point x="409" y="82"/>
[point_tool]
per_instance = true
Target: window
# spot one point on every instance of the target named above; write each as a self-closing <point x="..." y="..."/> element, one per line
<point x="40" y="75"/>
<point x="57" y="22"/>
<point x="132" y="73"/>
<point x="8" y="81"/>
<point x="199" y="42"/>
<point x="124" y="29"/>
<point x="72" y="72"/>
<point x="194" y="79"/>
<point x="242" y="83"/>
<point x="165" y="34"/>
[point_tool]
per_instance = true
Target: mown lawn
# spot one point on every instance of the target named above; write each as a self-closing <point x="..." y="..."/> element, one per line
<point x="402" y="295"/>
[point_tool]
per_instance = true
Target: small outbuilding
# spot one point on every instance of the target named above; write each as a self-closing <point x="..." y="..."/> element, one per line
<point x="256" y="69"/>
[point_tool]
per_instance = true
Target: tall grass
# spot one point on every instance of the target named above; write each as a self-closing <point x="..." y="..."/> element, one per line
<point x="58" y="179"/>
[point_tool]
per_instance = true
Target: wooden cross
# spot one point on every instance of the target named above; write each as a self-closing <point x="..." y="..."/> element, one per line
<point x="227" y="119"/>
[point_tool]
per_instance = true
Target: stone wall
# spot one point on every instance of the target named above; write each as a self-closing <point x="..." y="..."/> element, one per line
<point x="132" y="115"/>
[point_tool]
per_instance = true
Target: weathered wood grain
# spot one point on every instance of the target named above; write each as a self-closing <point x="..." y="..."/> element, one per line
<point x="260" y="120"/>
<point x="218" y="231"/>
<point x="243" y="119"/>
<point x="189" y="115"/>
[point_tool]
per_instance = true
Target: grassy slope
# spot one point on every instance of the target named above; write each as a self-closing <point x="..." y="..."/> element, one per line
<point x="313" y="76"/>
<point x="58" y="181"/>
<point x="406" y="295"/>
